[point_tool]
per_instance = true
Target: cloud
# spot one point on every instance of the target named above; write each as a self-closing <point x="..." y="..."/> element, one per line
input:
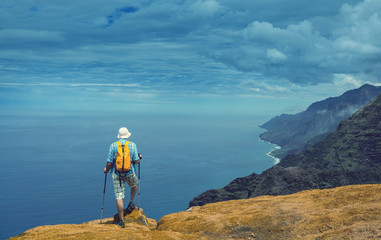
<point x="275" y="55"/>
<point x="348" y="45"/>
<point x="264" y="49"/>
<point x="314" y="54"/>
<point x="118" y="13"/>
<point x="205" y="7"/>
<point x="205" y="46"/>
<point x="27" y="36"/>
<point x="262" y="88"/>
<point x="129" y="85"/>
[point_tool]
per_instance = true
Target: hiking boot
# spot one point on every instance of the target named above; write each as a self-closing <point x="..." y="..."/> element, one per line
<point x="130" y="207"/>
<point x="121" y="223"/>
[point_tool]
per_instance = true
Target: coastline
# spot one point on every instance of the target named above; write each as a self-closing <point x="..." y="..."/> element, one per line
<point x="276" y="160"/>
<point x="276" y="147"/>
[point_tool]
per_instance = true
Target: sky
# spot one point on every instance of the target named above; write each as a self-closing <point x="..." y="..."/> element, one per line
<point x="200" y="56"/>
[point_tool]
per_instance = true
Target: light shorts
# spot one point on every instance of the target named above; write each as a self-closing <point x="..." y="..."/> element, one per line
<point x="129" y="178"/>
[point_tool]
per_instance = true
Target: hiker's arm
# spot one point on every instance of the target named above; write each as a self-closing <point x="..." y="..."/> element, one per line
<point x="140" y="158"/>
<point x="110" y="158"/>
<point x="135" y="155"/>
<point x="108" y="167"/>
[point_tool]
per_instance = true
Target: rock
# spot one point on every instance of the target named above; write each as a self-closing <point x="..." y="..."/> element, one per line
<point x="135" y="216"/>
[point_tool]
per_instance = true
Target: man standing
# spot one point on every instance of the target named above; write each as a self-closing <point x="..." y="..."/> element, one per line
<point x="120" y="178"/>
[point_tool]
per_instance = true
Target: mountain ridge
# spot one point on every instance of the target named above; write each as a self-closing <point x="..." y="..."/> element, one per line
<point x="350" y="155"/>
<point x="299" y="131"/>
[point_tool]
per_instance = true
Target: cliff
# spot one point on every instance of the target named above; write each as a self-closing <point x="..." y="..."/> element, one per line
<point x="350" y="155"/>
<point x="351" y="212"/>
<point x="300" y="131"/>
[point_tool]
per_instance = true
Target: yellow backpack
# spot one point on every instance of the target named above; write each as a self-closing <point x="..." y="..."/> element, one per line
<point x="123" y="157"/>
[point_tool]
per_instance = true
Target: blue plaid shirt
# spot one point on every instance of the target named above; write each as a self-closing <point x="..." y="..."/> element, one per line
<point x="112" y="154"/>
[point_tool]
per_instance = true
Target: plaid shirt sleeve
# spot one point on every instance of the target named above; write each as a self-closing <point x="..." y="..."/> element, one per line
<point x="133" y="151"/>
<point x="112" y="153"/>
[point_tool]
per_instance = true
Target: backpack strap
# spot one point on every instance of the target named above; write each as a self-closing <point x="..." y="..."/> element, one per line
<point x="116" y="153"/>
<point x="119" y="144"/>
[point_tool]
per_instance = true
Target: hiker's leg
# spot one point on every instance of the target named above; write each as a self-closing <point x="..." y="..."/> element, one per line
<point x="132" y="181"/>
<point x="119" y="194"/>
<point x="120" y="207"/>
<point x="133" y="192"/>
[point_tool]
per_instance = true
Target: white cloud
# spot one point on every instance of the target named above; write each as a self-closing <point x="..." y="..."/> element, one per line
<point x="275" y="55"/>
<point x="263" y="88"/>
<point x="263" y="32"/>
<point x="194" y="46"/>
<point x="347" y="43"/>
<point x="264" y="46"/>
<point x="28" y="35"/>
<point x="347" y="82"/>
<point x="205" y="7"/>
<point x="350" y="46"/>
<point x="128" y="85"/>
<point x="135" y="85"/>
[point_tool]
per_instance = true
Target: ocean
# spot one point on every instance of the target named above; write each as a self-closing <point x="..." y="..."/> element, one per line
<point x="52" y="166"/>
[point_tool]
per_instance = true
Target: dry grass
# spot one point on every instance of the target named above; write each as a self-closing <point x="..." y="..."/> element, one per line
<point x="351" y="212"/>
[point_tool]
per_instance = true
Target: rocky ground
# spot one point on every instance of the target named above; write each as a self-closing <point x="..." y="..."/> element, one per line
<point x="350" y="212"/>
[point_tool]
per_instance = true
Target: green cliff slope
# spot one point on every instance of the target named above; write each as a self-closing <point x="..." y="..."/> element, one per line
<point x="300" y="131"/>
<point x="350" y="155"/>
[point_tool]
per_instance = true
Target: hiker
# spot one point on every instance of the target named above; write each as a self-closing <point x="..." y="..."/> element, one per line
<point x="127" y="174"/>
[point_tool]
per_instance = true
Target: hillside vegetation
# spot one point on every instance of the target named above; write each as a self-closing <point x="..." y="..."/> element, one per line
<point x="295" y="132"/>
<point x="351" y="212"/>
<point x="350" y="155"/>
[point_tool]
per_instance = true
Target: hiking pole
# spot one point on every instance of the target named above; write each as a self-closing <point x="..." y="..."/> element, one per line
<point x="104" y="192"/>
<point x="139" y="186"/>
<point x="140" y="158"/>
